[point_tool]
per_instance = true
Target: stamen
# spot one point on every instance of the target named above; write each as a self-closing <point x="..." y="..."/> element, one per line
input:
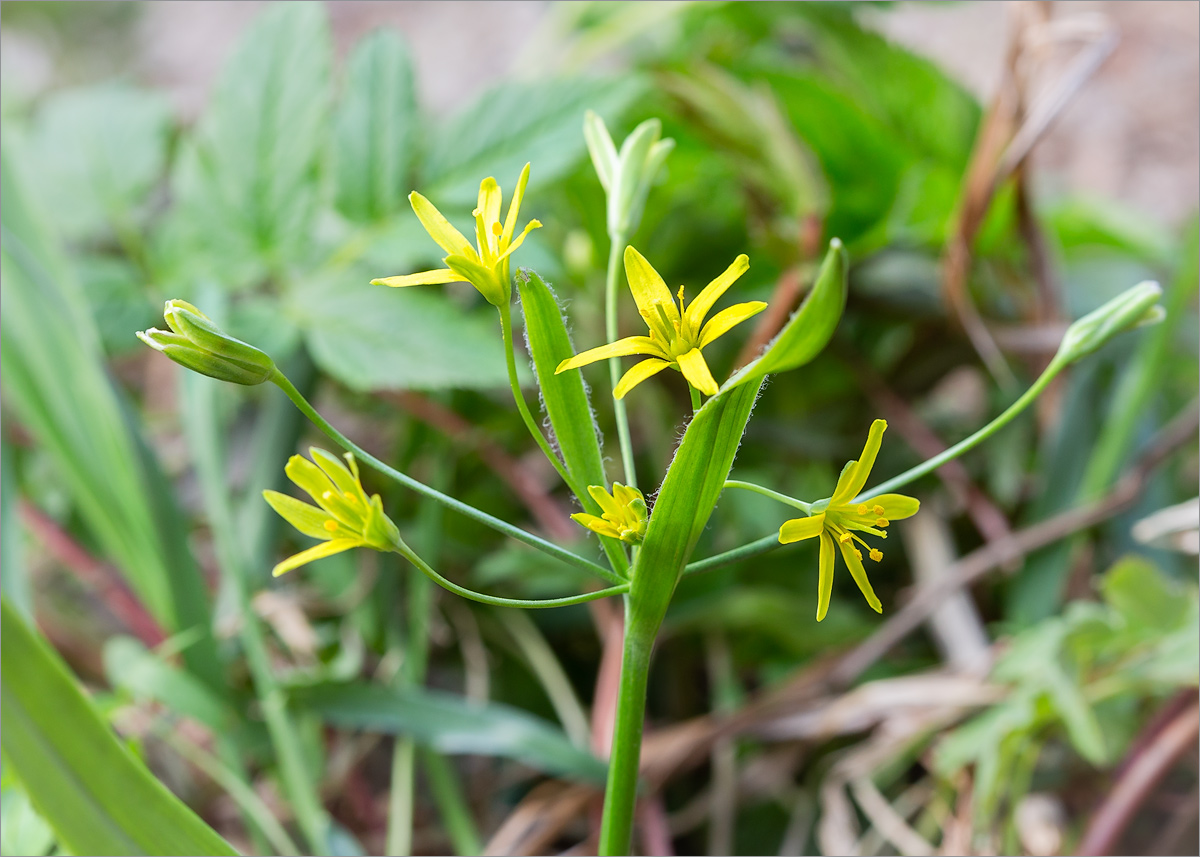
<point x="681" y="299"/>
<point x="497" y="228"/>
<point x="858" y="553"/>
<point x="331" y="526"/>
<point x="876" y="554"/>
<point x="350" y="497"/>
<point x="862" y="508"/>
<point x="878" y="510"/>
<point x="881" y="522"/>
<point x="844" y="537"/>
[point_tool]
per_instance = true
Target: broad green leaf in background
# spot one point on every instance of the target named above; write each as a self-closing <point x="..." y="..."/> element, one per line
<point x="376" y="338"/>
<point x="98" y="798"/>
<point x="376" y="129"/>
<point x="518" y="123"/>
<point x="564" y="396"/>
<point x="98" y="151"/>
<point x="451" y="724"/>
<point x="247" y="182"/>
<point x="54" y="379"/>
<point x="1145" y="597"/>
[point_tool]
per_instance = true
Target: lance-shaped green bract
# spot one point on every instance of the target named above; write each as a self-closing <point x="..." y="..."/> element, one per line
<point x="195" y="343"/>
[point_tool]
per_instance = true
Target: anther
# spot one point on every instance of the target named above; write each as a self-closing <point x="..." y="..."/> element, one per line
<point x="497" y="228"/>
<point x="881" y="522"/>
<point x="350" y="497"/>
<point x="844" y="537"/>
<point x="858" y="553"/>
<point x="331" y="526"/>
<point x="862" y="508"/>
<point x="876" y="555"/>
<point x="878" y="510"/>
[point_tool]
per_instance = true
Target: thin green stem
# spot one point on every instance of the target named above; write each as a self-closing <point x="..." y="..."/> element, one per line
<point x="510" y="358"/>
<point x="528" y="604"/>
<point x="611" y="278"/>
<point x="695" y="397"/>
<point x="971" y="442"/>
<point x="447" y="793"/>
<point x="754" y="548"/>
<point x="774" y="495"/>
<point x="462" y="508"/>
<point x="402" y="798"/>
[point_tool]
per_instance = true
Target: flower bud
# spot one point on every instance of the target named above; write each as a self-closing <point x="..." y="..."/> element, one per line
<point x="197" y="344"/>
<point x="1132" y="308"/>
<point x="626" y="175"/>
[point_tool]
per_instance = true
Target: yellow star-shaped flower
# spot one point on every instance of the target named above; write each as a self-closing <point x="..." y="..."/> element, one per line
<point x="677" y="333"/>
<point x="624" y="513"/>
<point x="484" y="266"/>
<point x="838" y="522"/>
<point x="344" y="516"/>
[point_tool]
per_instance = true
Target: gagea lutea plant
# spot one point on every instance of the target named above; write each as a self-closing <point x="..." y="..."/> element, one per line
<point x="647" y="543"/>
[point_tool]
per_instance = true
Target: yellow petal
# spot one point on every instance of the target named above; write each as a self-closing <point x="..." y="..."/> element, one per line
<point x="647" y="286"/>
<point x="314" y="553"/>
<point x="338" y="473"/>
<point x="489" y="203"/>
<point x="529" y="227"/>
<point x="638" y="373"/>
<point x="727" y="318"/>
<point x="824" y="575"/>
<point x="425" y="278"/>
<point x="620" y="348"/>
<point x="308" y="477"/>
<point x="597" y="525"/>
<point x="624" y="495"/>
<point x="307" y="519"/>
<point x="694" y="368"/>
<point x="704" y="301"/>
<point x="510" y="222"/>
<point x="855" y="477"/>
<point x="438" y="227"/>
<point x="896" y="507"/>
<point x="860" y="575"/>
<point x="798" y="529"/>
<point x="604" y="500"/>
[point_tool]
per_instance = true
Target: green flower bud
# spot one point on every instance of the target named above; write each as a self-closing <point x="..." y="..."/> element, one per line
<point x="1132" y="308"/>
<point x="197" y="344"/>
<point x="626" y="175"/>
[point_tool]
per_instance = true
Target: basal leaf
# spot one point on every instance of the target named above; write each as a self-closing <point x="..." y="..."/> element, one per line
<point x="98" y="798"/>
<point x="131" y="666"/>
<point x="375" y="129"/>
<point x="451" y="724"/>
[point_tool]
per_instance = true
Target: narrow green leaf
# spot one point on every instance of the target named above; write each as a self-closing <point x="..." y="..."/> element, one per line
<point x="452" y="725"/>
<point x="14" y="583"/>
<point x="565" y="396"/>
<point x="98" y="798"/>
<point x="375" y="129"/>
<point x="132" y="667"/>
<point x="810" y="327"/>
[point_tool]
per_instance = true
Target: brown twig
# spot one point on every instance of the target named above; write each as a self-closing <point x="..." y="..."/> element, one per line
<point x="100" y="576"/>
<point x="1138" y="780"/>
<point x="989" y="557"/>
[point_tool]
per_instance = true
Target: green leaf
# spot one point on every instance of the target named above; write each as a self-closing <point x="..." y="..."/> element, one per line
<point x="132" y="667"/>
<point x="1144" y="596"/>
<point x="379" y="338"/>
<point x="98" y="152"/>
<point x="247" y="184"/>
<point x="565" y="397"/>
<point x="22" y="830"/>
<point x="98" y="798"/>
<point x="53" y="374"/>
<point x="375" y="129"/>
<point x="518" y="123"/>
<point x="14" y="583"/>
<point x="451" y="724"/>
<point x="810" y="327"/>
<point x="1077" y="715"/>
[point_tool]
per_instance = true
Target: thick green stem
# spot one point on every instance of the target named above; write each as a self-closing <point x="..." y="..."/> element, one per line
<point x="612" y="276"/>
<point x="695" y="397"/>
<point x="462" y="508"/>
<point x="620" y="794"/>
<point x="510" y="358"/>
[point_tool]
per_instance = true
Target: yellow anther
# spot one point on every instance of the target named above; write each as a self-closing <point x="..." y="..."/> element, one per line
<point x="327" y="495"/>
<point x="881" y="522"/>
<point x="497" y="228"/>
<point x="862" y="508"/>
<point x="844" y="537"/>
<point x="349" y="496"/>
<point x="330" y="525"/>
<point x="878" y="510"/>
<point x="681" y="294"/>
<point x="876" y="554"/>
<point x="858" y="553"/>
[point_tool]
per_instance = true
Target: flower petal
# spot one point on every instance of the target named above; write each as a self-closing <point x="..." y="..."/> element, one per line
<point x="620" y="348"/>
<point x="860" y="575"/>
<point x="489" y="202"/>
<point x="338" y="473"/>
<point x="438" y="227"/>
<point x="604" y="500"/>
<point x="638" y="373"/>
<point x="597" y="525"/>
<point x="647" y="286"/>
<point x="514" y="207"/>
<point x="728" y="318"/>
<point x="896" y="507"/>
<point x="824" y="575"/>
<point x="307" y="519"/>
<point x="694" y="368"/>
<point x="529" y="227"/>
<point x="856" y="477"/>
<point x="319" y="551"/>
<point x="798" y="529"/>
<point x="482" y="278"/>
<point x="704" y="301"/>
<point x="309" y="477"/>
<point x="425" y="278"/>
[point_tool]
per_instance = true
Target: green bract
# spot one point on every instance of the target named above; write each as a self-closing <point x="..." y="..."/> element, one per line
<point x="197" y="344"/>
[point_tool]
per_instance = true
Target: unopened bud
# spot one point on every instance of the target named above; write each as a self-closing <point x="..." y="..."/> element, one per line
<point x="1132" y="308"/>
<point x="195" y="343"/>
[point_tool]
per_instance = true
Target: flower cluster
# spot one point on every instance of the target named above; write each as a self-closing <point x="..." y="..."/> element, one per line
<point x="624" y="513"/>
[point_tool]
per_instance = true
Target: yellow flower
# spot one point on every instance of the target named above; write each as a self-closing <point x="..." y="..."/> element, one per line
<point x="624" y="513"/>
<point x="344" y="516"/>
<point x="485" y="266"/>
<point x="676" y="333"/>
<point x="841" y="519"/>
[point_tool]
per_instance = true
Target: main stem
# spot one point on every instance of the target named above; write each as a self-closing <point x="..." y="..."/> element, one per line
<point x="620" y="794"/>
<point x="614" y="363"/>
